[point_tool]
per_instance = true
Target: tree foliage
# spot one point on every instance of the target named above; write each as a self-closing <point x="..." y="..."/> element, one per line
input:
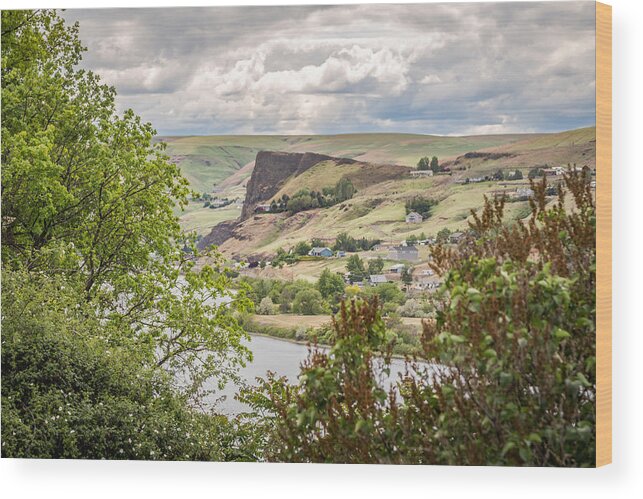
<point x="89" y="197"/>
<point x="330" y="285"/>
<point x="420" y="205"/>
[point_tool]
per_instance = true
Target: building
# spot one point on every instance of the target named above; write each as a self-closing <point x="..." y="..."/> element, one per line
<point x="408" y="253"/>
<point x="427" y="242"/>
<point x="524" y="192"/>
<point x="262" y="208"/>
<point x="377" y="279"/>
<point x="421" y="173"/>
<point x="397" y="268"/>
<point x="323" y="252"/>
<point x="414" y="218"/>
<point x="456" y="237"/>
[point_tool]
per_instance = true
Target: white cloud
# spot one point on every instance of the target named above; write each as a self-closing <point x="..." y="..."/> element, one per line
<point x="432" y="68"/>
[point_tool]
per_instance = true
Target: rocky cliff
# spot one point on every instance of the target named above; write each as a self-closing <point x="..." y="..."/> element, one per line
<point x="273" y="169"/>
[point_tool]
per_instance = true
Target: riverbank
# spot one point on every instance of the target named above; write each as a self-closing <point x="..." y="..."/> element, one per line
<point x="304" y="330"/>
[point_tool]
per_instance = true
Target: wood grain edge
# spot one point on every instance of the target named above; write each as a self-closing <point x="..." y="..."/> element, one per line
<point x="603" y="234"/>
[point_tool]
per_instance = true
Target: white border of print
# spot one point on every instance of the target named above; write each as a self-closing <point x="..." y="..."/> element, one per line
<point x="623" y="478"/>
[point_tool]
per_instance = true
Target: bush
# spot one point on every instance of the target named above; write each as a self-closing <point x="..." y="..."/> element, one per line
<point x="266" y="307"/>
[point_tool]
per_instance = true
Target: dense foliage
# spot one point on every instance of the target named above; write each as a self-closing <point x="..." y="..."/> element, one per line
<point x="88" y="202"/>
<point x="346" y="242"/>
<point x="420" y="205"/>
<point x="307" y="199"/>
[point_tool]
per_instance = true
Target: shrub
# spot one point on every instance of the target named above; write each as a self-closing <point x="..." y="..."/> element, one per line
<point x="266" y="307"/>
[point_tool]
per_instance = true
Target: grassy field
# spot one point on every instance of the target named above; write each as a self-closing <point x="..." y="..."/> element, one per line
<point x="292" y="320"/>
<point x="199" y="219"/>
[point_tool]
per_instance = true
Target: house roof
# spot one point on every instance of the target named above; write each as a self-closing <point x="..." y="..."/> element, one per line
<point x="405" y="249"/>
<point x="318" y="249"/>
<point x="378" y="278"/>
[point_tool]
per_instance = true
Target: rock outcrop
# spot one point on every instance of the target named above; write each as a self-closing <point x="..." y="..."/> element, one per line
<point x="273" y="169"/>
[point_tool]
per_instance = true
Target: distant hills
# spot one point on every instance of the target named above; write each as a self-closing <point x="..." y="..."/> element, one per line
<point x="379" y="169"/>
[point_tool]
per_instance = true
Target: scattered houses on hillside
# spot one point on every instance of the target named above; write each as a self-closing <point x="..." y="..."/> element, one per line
<point x="409" y="253"/>
<point x="322" y="252"/>
<point x="414" y="218"/>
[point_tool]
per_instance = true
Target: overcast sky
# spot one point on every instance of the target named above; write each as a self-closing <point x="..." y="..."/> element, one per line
<point x="427" y="68"/>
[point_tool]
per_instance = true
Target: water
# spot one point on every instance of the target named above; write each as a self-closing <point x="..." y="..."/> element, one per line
<point x="284" y="359"/>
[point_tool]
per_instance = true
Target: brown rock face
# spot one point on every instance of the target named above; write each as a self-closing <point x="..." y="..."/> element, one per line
<point x="271" y="171"/>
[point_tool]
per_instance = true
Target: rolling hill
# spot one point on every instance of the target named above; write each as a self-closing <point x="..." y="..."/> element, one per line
<point x="380" y="172"/>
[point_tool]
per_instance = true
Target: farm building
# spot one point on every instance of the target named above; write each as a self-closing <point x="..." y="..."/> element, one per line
<point x="397" y="268"/>
<point x="414" y="218"/>
<point x="409" y="253"/>
<point x="376" y="279"/>
<point x="421" y="173"/>
<point x="456" y="237"/>
<point x="524" y="192"/>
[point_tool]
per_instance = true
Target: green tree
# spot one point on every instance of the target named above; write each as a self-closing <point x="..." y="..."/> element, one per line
<point x="69" y="391"/>
<point x="344" y="242"/>
<point x="420" y="205"/>
<point x="435" y="166"/>
<point x="355" y="266"/>
<point x="407" y="275"/>
<point x="376" y="265"/>
<point x="344" y="190"/>
<point x="302" y="248"/>
<point x="443" y="235"/>
<point x="387" y="293"/>
<point x="308" y="302"/>
<point x="412" y="240"/>
<point x="90" y="195"/>
<point x="330" y="285"/>
<point x="424" y="164"/>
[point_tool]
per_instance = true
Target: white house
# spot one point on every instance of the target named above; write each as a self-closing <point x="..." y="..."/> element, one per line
<point x="524" y="192"/>
<point x="414" y="218"/>
<point x="377" y="279"/>
<point x="421" y="173"/>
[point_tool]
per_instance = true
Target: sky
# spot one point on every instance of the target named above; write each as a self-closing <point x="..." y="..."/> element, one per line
<point x="445" y="69"/>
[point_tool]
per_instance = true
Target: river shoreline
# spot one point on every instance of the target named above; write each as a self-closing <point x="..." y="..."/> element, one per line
<point x="323" y="346"/>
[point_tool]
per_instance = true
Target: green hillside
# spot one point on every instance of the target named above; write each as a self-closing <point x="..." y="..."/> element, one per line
<point x="377" y="211"/>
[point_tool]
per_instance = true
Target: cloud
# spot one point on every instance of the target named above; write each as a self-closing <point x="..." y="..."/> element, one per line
<point x="432" y="68"/>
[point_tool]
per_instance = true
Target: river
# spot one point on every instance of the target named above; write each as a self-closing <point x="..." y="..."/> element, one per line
<point x="283" y="358"/>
